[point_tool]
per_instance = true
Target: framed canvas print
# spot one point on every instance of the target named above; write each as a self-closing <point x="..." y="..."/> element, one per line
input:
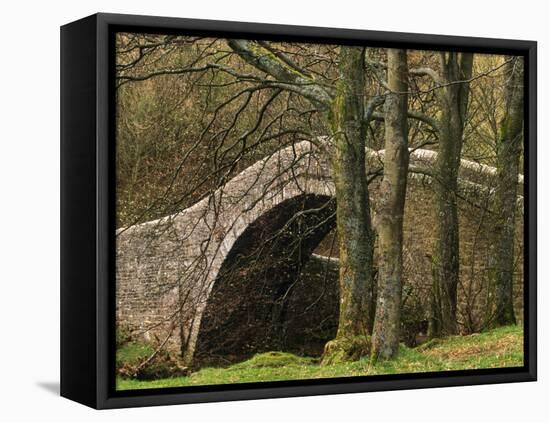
<point x="254" y="211"/>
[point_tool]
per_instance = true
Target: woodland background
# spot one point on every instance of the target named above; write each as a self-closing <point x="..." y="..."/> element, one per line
<point x="193" y="112"/>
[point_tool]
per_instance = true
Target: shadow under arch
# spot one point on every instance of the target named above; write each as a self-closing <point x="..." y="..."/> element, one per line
<point x="258" y="290"/>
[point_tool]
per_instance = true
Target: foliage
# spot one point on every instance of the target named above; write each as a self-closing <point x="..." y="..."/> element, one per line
<point x="123" y="335"/>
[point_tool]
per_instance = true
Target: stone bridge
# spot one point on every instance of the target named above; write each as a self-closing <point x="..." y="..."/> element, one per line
<point x="167" y="268"/>
<point x="213" y="280"/>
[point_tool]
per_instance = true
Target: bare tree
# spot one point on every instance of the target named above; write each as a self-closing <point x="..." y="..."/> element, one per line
<point x="345" y="115"/>
<point x="389" y="219"/>
<point x="355" y="237"/>
<point x="508" y="162"/>
<point x="452" y="95"/>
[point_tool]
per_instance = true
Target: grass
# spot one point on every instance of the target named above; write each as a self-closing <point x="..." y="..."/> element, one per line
<point x="133" y="353"/>
<point x="502" y="347"/>
<point x="274" y="359"/>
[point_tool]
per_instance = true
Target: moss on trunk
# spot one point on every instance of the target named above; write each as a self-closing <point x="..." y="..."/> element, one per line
<point x="355" y="235"/>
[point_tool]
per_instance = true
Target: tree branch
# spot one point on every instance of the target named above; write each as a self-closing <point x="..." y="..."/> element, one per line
<point x="287" y="77"/>
<point x="427" y="72"/>
<point x="412" y="115"/>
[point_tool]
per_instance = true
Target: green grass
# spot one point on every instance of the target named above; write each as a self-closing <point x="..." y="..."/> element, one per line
<point x="133" y="353"/>
<point x="501" y="347"/>
<point x="274" y="359"/>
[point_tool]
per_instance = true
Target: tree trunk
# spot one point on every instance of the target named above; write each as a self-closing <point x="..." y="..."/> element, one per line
<point x="389" y="219"/>
<point x="453" y="99"/>
<point x="355" y="236"/>
<point x="508" y="154"/>
<point x="345" y="114"/>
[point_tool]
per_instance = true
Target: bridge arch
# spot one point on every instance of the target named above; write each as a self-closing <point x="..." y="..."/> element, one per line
<point x="249" y="302"/>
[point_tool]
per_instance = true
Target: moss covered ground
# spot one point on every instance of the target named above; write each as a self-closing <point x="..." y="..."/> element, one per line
<point x="502" y="347"/>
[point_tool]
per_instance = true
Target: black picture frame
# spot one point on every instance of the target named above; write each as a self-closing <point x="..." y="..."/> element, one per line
<point x="87" y="212"/>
